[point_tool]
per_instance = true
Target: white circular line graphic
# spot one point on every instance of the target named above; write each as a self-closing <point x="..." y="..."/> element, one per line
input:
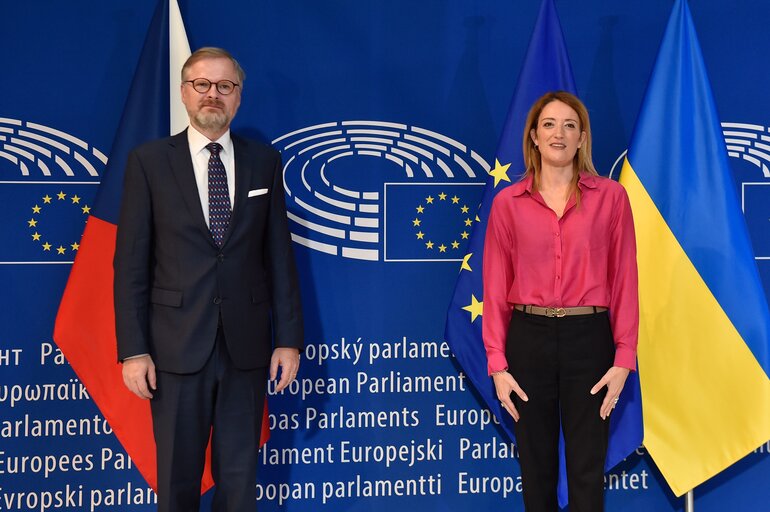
<point x="340" y="221"/>
<point x="42" y="151"/>
<point x="748" y="142"/>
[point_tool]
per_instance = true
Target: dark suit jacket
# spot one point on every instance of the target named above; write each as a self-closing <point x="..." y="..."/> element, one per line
<point x="172" y="282"/>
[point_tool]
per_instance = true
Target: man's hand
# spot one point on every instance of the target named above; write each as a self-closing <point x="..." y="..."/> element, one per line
<point x="288" y="360"/>
<point x="139" y="376"/>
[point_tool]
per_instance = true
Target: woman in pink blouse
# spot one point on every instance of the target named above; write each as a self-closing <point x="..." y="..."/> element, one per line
<point x="561" y="312"/>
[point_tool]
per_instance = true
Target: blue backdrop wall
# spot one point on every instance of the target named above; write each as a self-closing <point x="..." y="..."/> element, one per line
<point x="381" y="415"/>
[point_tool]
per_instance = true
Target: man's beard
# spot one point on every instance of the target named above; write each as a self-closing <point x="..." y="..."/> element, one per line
<point x="212" y="120"/>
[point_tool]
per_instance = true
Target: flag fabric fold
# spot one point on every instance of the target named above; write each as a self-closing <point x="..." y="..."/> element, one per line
<point x="85" y="322"/>
<point x="546" y="68"/>
<point x="704" y="325"/>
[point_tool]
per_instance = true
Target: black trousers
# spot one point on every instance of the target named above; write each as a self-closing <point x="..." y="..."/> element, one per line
<point x="557" y="361"/>
<point x="220" y="402"/>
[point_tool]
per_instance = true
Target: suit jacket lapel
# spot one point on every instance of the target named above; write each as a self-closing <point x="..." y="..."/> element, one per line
<point x="243" y="170"/>
<point x="182" y="169"/>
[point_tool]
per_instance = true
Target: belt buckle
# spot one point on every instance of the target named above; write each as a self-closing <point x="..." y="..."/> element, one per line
<point x="555" y="312"/>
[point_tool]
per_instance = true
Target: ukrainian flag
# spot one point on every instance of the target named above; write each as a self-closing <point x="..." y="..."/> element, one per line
<point x="703" y="334"/>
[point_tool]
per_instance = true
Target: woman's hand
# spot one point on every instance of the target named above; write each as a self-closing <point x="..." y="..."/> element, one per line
<point x="614" y="379"/>
<point x="504" y="385"/>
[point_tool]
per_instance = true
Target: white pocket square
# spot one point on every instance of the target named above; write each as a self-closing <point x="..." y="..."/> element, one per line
<point x="257" y="192"/>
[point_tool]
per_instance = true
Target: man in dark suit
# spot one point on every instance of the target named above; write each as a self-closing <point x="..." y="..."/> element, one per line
<point x="206" y="293"/>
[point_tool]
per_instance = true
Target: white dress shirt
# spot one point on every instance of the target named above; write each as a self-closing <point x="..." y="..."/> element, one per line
<point x="200" y="159"/>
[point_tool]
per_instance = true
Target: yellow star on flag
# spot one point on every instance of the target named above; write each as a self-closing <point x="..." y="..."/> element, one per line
<point x="464" y="234"/>
<point x="36" y="209"/>
<point x="468" y="222"/>
<point x="500" y="172"/>
<point x="32" y="223"/>
<point x="36" y="236"/>
<point x="47" y="199"/>
<point x="86" y="209"/>
<point x="442" y="196"/>
<point x="60" y="249"/>
<point x="464" y="209"/>
<point x="442" y="248"/>
<point x="455" y="200"/>
<point x="455" y="244"/>
<point x="75" y="246"/>
<point x="75" y="199"/>
<point x="46" y="246"/>
<point x="61" y="195"/>
<point x="466" y="263"/>
<point x="420" y="209"/>
<point x="475" y="308"/>
<point x="429" y="244"/>
<point x="420" y="235"/>
<point x="416" y="222"/>
<point x="429" y="199"/>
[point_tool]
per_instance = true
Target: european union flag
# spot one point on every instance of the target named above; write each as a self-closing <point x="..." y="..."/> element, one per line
<point x="756" y="209"/>
<point x="429" y="221"/>
<point x="43" y="222"/>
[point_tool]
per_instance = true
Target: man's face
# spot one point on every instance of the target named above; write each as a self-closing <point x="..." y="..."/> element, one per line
<point x="211" y="111"/>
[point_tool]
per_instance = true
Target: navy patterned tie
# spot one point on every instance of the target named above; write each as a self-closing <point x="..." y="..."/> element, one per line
<point x="219" y="196"/>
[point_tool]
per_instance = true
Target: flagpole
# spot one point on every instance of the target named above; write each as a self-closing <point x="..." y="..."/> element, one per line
<point x="689" y="501"/>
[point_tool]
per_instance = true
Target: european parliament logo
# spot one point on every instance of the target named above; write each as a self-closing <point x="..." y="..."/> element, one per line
<point x="749" y="145"/>
<point x="381" y="191"/>
<point x="49" y="179"/>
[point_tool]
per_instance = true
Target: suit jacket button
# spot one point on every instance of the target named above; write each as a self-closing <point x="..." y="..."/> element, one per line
<point x="217" y="300"/>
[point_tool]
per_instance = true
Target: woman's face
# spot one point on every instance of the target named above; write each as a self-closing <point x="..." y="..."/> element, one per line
<point x="558" y="134"/>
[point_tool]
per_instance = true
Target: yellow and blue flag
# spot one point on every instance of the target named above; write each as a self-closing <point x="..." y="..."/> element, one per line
<point x="703" y="340"/>
<point x="546" y="68"/>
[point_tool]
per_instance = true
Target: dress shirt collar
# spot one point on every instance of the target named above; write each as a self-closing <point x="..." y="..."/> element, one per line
<point x="198" y="141"/>
<point x="585" y="181"/>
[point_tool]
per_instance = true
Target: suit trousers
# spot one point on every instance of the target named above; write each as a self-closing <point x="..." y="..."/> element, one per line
<point x="220" y="402"/>
<point x="557" y="361"/>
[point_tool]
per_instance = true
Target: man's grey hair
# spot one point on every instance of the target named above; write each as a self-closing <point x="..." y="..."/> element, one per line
<point x="210" y="52"/>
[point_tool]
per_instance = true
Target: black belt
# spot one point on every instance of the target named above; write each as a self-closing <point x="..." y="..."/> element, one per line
<point x="560" y="312"/>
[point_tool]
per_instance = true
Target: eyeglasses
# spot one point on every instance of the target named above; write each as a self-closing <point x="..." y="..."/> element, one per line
<point x="202" y="85"/>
